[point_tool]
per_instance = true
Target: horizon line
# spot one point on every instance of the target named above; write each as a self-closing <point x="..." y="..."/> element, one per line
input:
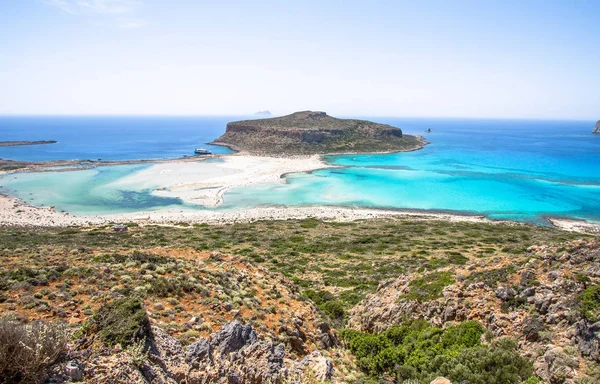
<point x="278" y="115"/>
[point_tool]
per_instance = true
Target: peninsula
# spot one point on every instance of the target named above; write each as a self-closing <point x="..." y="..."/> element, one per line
<point x="17" y="143"/>
<point x="309" y="133"/>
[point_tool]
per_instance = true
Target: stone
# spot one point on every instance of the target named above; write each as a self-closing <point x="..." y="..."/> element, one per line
<point x="587" y="337"/>
<point x="200" y="351"/>
<point x="232" y="337"/>
<point x="504" y="293"/>
<point x="73" y="370"/>
<point x="441" y="380"/>
<point x="319" y="365"/>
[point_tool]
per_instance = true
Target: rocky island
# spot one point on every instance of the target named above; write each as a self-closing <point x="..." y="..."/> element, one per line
<point x="17" y="143"/>
<point x="308" y="132"/>
<point x="596" y="127"/>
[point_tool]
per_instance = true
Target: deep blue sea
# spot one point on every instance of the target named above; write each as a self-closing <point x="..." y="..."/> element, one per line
<point x="522" y="170"/>
<point x="110" y="138"/>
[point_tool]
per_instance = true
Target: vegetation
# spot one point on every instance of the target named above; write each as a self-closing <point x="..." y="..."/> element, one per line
<point x="123" y="321"/>
<point x="429" y="287"/>
<point x="114" y="284"/>
<point x="27" y="351"/>
<point x="419" y="351"/>
<point x="343" y="261"/>
<point x="304" y="133"/>
<point x="590" y="303"/>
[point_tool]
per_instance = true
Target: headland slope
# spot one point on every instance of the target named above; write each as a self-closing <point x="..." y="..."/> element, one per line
<point x="308" y="132"/>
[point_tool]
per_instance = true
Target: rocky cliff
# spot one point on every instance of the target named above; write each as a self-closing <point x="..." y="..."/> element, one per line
<point x="596" y="127"/>
<point x="309" y="132"/>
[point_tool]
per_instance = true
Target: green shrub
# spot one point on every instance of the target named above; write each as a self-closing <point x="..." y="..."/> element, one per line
<point x="122" y="321"/>
<point x="590" y="303"/>
<point x="27" y="351"/>
<point x="491" y="277"/>
<point x="420" y="352"/>
<point x="428" y="287"/>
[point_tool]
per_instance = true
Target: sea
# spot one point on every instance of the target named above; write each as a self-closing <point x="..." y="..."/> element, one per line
<point x="522" y="170"/>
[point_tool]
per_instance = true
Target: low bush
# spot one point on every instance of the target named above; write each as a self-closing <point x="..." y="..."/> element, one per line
<point x="122" y="321"/>
<point x="420" y="352"/>
<point x="590" y="303"/>
<point x="428" y="287"/>
<point x="27" y="351"/>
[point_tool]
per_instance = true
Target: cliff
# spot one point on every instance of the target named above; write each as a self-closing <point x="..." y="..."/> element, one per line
<point x="308" y="132"/>
<point x="596" y="127"/>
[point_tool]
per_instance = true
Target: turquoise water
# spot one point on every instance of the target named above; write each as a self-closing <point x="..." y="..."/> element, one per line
<point x="87" y="192"/>
<point x="503" y="169"/>
<point x="517" y="170"/>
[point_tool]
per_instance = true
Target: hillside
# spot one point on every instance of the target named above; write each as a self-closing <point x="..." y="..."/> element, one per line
<point x="293" y="301"/>
<point x="308" y="132"/>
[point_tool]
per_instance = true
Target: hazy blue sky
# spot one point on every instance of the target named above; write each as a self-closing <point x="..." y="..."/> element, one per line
<point x="420" y="58"/>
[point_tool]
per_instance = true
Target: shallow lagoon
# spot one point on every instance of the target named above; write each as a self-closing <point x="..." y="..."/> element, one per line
<point x="505" y="169"/>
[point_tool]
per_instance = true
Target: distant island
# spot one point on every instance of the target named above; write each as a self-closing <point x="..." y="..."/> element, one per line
<point x="308" y="132"/>
<point x="17" y="143"/>
<point x="263" y="113"/>
<point x="596" y="127"/>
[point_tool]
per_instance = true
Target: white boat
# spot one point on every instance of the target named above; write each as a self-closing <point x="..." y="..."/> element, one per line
<point x="202" y="151"/>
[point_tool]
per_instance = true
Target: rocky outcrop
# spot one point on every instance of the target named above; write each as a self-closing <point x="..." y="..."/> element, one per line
<point x="311" y="132"/>
<point x="235" y="352"/>
<point x="596" y="127"/>
<point x="537" y="302"/>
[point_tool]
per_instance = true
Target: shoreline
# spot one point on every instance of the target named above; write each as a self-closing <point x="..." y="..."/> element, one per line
<point x="16" y="213"/>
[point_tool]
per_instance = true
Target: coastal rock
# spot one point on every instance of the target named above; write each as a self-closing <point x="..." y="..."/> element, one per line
<point x="596" y="127"/>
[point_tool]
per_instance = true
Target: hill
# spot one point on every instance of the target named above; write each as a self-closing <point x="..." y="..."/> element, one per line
<point x="308" y="301"/>
<point x="308" y="132"/>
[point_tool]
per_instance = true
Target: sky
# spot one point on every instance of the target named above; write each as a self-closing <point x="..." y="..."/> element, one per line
<point x="491" y="59"/>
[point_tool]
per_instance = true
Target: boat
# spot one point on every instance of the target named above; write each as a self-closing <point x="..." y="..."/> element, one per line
<point x="202" y="151"/>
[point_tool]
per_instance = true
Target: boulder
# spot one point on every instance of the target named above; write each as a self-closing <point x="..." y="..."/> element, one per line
<point x="232" y="337"/>
<point x="200" y="351"/>
<point x="441" y="380"/>
<point x="321" y="367"/>
<point x="73" y="370"/>
<point x="587" y="337"/>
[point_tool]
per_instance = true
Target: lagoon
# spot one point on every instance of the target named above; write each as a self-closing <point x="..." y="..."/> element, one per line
<point x="524" y="170"/>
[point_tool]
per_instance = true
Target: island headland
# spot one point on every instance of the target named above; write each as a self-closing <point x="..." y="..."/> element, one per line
<point x="309" y="133"/>
<point x="16" y="143"/>
<point x="596" y="127"/>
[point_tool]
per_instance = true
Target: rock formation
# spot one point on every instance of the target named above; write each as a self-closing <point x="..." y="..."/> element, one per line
<point x="309" y="132"/>
<point x="596" y="127"/>
<point x="235" y="352"/>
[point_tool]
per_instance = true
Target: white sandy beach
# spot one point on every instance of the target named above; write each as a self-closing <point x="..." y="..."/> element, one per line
<point x="15" y="213"/>
<point x="205" y="182"/>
